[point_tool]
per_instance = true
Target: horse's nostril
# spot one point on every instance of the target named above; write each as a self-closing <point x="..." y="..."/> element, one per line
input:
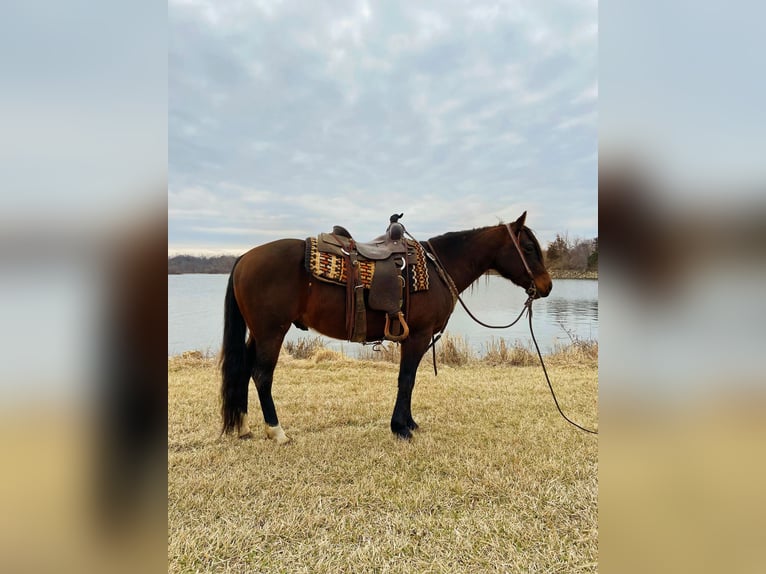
<point x="544" y="287"/>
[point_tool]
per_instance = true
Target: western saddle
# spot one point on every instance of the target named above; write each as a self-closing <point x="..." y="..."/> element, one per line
<point x="391" y="255"/>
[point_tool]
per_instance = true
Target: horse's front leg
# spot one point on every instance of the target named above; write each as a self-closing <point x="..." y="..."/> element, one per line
<point x="402" y="423"/>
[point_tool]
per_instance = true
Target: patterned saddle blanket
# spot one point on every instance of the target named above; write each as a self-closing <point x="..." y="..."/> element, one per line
<point x="332" y="268"/>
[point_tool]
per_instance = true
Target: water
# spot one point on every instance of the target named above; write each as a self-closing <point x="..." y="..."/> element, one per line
<point x="195" y="314"/>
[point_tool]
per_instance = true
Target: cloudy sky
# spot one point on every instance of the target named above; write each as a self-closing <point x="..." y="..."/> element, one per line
<point x="288" y="117"/>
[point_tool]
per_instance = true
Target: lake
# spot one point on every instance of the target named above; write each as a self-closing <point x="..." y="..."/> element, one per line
<point x="195" y="314"/>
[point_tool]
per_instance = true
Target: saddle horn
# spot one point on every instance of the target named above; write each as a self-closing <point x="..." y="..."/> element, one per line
<point x="395" y="230"/>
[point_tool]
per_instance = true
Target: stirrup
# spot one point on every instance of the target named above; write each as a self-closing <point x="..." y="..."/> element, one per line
<point x="387" y="329"/>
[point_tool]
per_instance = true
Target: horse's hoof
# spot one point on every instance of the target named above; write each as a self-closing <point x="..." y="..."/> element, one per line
<point x="243" y="428"/>
<point x="412" y="425"/>
<point x="403" y="434"/>
<point x="277" y="434"/>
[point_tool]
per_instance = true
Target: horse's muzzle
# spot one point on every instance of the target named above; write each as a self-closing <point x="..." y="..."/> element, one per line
<point x="542" y="286"/>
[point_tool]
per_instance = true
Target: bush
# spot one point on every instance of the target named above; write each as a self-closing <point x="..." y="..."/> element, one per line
<point x="304" y="347"/>
<point x="453" y="351"/>
<point x="499" y="353"/>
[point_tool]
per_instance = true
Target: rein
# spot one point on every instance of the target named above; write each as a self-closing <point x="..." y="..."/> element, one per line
<point x="531" y="292"/>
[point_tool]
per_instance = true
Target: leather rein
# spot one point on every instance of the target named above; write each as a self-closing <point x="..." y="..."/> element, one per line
<point x="532" y="295"/>
<point x="531" y="290"/>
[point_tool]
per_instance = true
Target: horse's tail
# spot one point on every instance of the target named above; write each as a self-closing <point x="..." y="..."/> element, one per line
<point x="235" y="360"/>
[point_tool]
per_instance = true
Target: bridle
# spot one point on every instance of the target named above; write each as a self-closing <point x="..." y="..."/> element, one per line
<point x="532" y="289"/>
<point x="531" y="296"/>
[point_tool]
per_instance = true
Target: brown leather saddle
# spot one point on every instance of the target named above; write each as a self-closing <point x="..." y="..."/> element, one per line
<point x="391" y="254"/>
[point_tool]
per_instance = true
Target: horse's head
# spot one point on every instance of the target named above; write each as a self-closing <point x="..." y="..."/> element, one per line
<point x="521" y="260"/>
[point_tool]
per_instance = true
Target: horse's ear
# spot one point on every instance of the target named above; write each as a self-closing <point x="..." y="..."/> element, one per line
<point x="519" y="223"/>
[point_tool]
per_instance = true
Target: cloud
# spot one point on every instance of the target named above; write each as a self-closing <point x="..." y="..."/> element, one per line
<point x="351" y="27"/>
<point x="341" y="113"/>
<point x="588" y="95"/>
<point x="586" y="119"/>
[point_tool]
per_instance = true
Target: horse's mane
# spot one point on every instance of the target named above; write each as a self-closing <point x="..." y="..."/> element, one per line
<point x="450" y="235"/>
<point x="457" y="234"/>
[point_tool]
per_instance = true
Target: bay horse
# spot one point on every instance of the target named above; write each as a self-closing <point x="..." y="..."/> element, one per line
<point x="270" y="289"/>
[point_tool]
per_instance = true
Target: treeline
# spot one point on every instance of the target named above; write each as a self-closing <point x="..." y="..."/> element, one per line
<point x="191" y="264"/>
<point x="564" y="254"/>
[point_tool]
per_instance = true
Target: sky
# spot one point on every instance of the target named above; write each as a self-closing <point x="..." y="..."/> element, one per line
<point x="286" y="118"/>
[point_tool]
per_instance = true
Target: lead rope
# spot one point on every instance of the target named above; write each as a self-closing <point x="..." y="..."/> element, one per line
<point x="528" y="307"/>
<point x="531" y="291"/>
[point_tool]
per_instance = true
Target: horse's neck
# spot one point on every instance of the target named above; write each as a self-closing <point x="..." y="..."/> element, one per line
<point x="467" y="255"/>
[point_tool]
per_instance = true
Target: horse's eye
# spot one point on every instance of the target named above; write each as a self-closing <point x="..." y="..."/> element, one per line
<point x="528" y="249"/>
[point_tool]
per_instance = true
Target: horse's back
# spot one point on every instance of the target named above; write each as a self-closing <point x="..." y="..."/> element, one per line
<point x="273" y="255"/>
<point x="276" y="246"/>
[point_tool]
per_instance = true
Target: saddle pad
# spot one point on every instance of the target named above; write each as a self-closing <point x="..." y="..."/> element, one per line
<point x="334" y="269"/>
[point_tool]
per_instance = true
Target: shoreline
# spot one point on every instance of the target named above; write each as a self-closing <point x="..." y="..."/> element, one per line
<point x="555" y="274"/>
<point x="573" y="274"/>
<point x="453" y="352"/>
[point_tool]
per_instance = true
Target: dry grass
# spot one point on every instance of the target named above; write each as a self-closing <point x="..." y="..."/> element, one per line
<point x="581" y="352"/>
<point x="499" y="353"/>
<point x="304" y="347"/>
<point x="387" y="352"/>
<point x="456" y="352"/>
<point x="495" y="480"/>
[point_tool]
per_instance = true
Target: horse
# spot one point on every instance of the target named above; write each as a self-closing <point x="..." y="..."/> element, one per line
<point x="269" y="290"/>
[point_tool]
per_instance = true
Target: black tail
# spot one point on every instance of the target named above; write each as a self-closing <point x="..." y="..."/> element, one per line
<point x="236" y="361"/>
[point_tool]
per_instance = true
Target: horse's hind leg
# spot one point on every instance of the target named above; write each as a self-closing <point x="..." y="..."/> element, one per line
<point x="266" y="355"/>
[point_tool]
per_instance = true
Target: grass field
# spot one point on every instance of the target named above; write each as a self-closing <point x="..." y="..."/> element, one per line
<point x="495" y="480"/>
